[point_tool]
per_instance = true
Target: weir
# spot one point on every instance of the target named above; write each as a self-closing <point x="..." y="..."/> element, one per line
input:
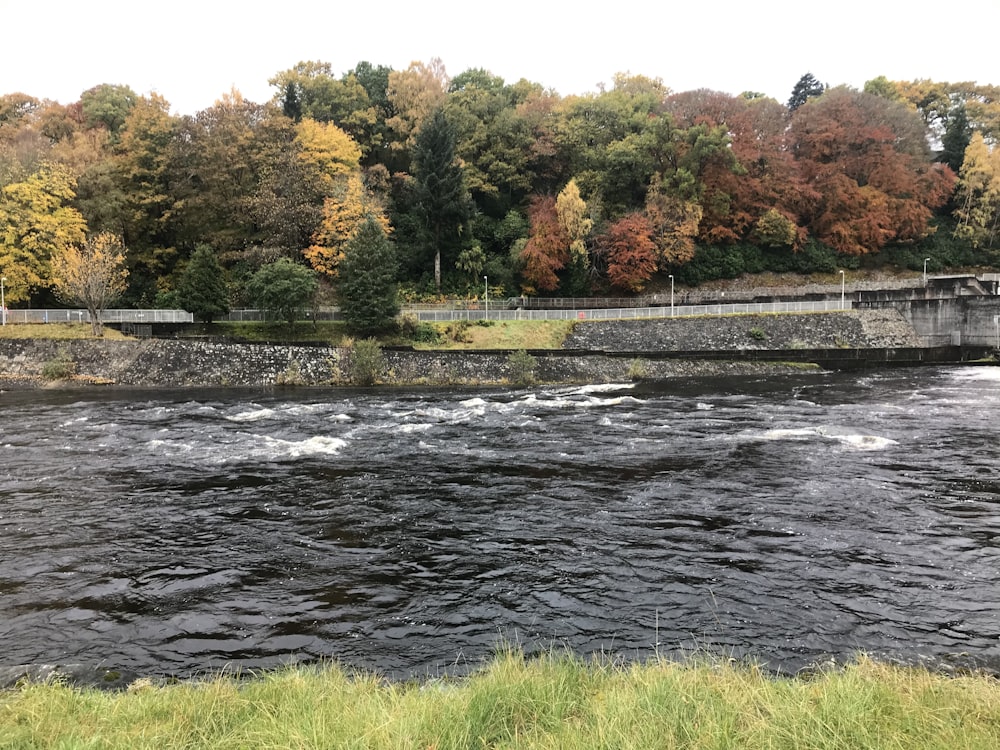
<point x="946" y="311"/>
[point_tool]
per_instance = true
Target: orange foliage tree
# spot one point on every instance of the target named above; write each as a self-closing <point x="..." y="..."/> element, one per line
<point x="547" y="249"/>
<point x="631" y="252"/>
<point x="869" y="161"/>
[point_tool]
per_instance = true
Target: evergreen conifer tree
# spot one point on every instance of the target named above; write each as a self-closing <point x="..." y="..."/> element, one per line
<point x="367" y="284"/>
<point x="442" y="201"/>
<point x="203" y="291"/>
<point x="806" y="88"/>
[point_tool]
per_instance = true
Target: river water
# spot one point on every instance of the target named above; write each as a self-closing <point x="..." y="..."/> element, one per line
<point x="789" y="519"/>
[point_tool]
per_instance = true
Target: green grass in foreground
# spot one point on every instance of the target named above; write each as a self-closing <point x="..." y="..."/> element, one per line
<point x="556" y="701"/>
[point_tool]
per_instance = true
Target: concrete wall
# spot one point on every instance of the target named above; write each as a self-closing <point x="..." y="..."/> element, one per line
<point x="965" y="321"/>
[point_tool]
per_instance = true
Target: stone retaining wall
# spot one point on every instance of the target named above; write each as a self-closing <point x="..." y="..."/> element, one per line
<point x="180" y="363"/>
<point x="863" y="329"/>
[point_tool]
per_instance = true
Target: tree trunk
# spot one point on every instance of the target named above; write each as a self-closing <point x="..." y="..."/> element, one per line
<point x="437" y="257"/>
<point x="96" y="326"/>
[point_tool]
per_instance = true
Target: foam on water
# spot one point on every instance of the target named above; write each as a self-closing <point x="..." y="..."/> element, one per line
<point x="316" y="445"/>
<point x="848" y="439"/>
<point x="254" y="415"/>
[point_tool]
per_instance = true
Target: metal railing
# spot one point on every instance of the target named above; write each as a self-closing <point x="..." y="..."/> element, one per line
<point x="108" y="316"/>
<point x="636" y="312"/>
<point x="140" y="317"/>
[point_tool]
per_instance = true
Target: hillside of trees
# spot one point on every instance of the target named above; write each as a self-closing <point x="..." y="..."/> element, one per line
<point x="470" y="176"/>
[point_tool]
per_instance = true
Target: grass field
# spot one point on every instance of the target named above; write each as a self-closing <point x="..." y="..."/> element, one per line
<point x="556" y="701"/>
<point x="525" y="334"/>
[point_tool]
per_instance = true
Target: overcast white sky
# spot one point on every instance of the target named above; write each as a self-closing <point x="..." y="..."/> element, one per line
<point x="191" y="52"/>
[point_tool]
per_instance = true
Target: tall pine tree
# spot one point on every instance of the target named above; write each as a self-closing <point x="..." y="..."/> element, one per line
<point x="443" y="204"/>
<point x="806" y="88"/>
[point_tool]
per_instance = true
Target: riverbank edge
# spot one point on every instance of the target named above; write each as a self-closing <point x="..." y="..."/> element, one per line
<point x="553" y="700"/>
<point x="594" y="352"/>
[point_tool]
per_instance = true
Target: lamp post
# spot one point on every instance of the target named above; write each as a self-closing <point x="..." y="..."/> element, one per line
<point x="996" y="324"/>
<point x="842" y="290"/>
<point x="486" y="296"/>
<point x="3" y="304"/>
<point x="925" y="270"/>
<point x="671" y="295"/>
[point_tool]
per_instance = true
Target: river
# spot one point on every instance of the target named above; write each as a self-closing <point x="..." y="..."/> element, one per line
<point x="789" y="520"/>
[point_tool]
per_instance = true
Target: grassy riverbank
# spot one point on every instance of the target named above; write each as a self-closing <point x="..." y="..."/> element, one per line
<point x="552" y="702"/>
<point x="456" y="335"/>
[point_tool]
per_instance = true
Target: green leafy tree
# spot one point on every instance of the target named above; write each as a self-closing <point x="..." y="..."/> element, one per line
<point x="107" y="105"/>
<point x="202" y="290"/>
<point x="367" y="285"/>
<point x="284" y="289"/>
<point x="442" y="205"/>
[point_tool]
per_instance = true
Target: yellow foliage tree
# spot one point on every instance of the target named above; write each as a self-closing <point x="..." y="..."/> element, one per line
<point x="93" y="275"/>
<point x="675" y="225"/>
<point x="344" y="213"/>
<point x="978" y="194"/>
<point x="35" y="225"/>
<point x="574" y="219"/>
<point x="414" y="94"/>
<point x="327" y="151"/>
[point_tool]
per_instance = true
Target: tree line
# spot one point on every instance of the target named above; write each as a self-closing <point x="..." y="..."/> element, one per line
<point x="452" y="179"/>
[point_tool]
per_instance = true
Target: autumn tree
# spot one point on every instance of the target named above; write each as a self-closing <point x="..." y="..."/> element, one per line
<point x="764" y="174"/>
<point x="367" y="285"/>
<point x="311" y="90"/>
<point x="36" y="224"/>
<point x="212" y="166"/>
<point x="630" y="252"/>
<point x="132" y="192"/>
<point x="575" y="221"/>
<point x="286" y="202"/>
<point x="978" y="194"/>
<point x="345" y="211"/>
<point x="868" y="159"/>
<point x="547" y="249"/>
<point x="326" y="151"/>
<point x="673" y="223"/>
<point x="414" y="95"/>
<point x="93" y="275"/>
<point x="774" y="229"/>
<point x="202" y="290"/>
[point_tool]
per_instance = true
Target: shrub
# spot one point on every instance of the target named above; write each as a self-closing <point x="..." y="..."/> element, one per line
<point x="522" y="367"/>
<point x="757" y="334"/>
<point x="292" y="375"/>
<point x="366" y="362"/>
<point x="412" y="328"/>
<point x="459" y="332"/>
<point x="637" y="369"/>
<point x="61" y="367"/>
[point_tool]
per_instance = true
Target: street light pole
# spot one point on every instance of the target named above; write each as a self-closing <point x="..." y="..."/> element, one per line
<point x="486" y="295"/>
<point x="841" y="290"/>
<point x="925" y="270"/>
<point x="671" y="295"/>
<point x="3" y="304"/>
